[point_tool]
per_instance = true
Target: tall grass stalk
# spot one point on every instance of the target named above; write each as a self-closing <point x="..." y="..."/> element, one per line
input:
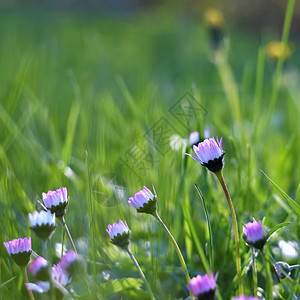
<point x="211" y="244"/>
<point x="278" y="72"/>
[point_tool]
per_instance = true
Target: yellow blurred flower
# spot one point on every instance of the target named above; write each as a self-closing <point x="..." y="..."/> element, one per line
<point x="214" y="17"/>
<point x="276" y="48"/>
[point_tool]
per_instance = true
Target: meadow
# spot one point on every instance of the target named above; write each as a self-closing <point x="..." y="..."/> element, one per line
<point x="90" y="102"/>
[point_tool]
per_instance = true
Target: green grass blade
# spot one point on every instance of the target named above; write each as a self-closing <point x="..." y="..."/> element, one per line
<point x="209" y="227"/>
<point x="118" y="285"/>
<point x="276" y="228"/>
<point x="277" y="77"/>
<point x="2" y="285"/>
<point x="198" y="245"/>
<point x="293" y="204"/>
<point x="71" y="127"/>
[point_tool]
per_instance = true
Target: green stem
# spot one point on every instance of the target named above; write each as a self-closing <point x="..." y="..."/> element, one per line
<point x="279" y="67"/>
<point x="45" y="252"/>
<point x="269" y="288"/>
<point x="187" y="276"/>
<point x="140" y="272"/>
<point x="236" y="230"/>
<point x="24" y="271"/>
<point x="254" y="272"/>
<point x="58" y="286"/>
<point x="64" y="224"/>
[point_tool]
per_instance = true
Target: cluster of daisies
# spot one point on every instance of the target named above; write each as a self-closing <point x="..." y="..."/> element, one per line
<point x="49" y="279"/>
<point x="54" y="279"/>
<point x="209" y="154"/>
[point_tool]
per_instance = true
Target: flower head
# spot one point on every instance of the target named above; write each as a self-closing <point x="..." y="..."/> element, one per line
<point x="39" y="269"/>
<point x="275" y="49"/>
<point x="215" y="22"/>
<point x="203" y="287"/>
<point x="60" y="275"/>
<point x="282" y="269"/>
<point x="194" y="138"/>
<point x="42" y="223"/>
<point x="214" y="17"/>
<point x="68" y="259"/>
<point x="56" y="201"/>
<point x="19" y="250"/>
<point x="119" y="234"/>
<point x="243" y="297"/>
<point x="144" y="201"/>
<point x="255" y="234"/>
<point x="209" y="154"/>
<point x="72" y="263"/>
<point x="177" y="143"/>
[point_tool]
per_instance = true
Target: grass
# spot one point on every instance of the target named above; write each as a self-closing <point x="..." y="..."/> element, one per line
<point x="80" y="95"/>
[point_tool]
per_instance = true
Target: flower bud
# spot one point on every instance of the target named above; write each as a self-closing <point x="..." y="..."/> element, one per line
<point x="203" y="287"/>
<point x="282" y="269"/>
<point x="42" y="223"/>
<point x="39" y="269"/>
<point x="255" y="234"/>
<point x="119" y="234"/>
<point x="144" y="201"/>
<point x="19" y="250"/>
<point x="56" y="201"/>
<point x="209" y="154"/>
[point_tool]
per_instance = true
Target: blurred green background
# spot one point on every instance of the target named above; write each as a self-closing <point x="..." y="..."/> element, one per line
<point x="86" y="90"/>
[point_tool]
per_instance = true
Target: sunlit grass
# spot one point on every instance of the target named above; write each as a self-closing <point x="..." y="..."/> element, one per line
<point x="77" y="93"/>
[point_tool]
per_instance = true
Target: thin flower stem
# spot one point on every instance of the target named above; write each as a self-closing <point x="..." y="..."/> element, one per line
<point x="140" y="272"/>
<point x="236" y="230"/>
<point x="64" y="224"/>
<point x="183" y="264"/>
<point x="45" y="252"/>
<point x="254" y="272"/>
<point x="269" y="288"/>
<point x="58" y="286"/>
<point x="24" y="271"/>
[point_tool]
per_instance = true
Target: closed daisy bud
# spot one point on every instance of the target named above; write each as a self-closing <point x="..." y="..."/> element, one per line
<point x="60" y="275"/>
<point x="255" y="234"/>
<point x="144" y="201"/>
<point x="243" y="297"/>
<point x="282" y="269"/>
<point x="203" y="287"/>
<point x="42" y="223"/>
<point x="194" y="138"/>
<point x="72" y="263"/>
<point x="119" y="234"/>
<point x="19" y="250"/>
<point x="209" y="154"/>
<point x="59" y="278"/>
<point x="56" y="201"/>
<point x="39" y="269"/>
